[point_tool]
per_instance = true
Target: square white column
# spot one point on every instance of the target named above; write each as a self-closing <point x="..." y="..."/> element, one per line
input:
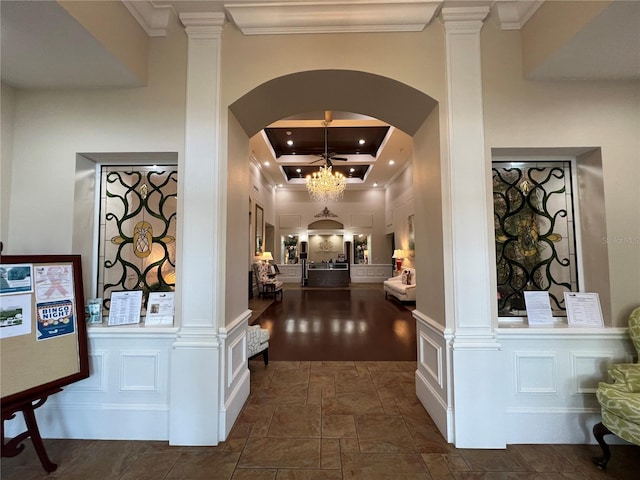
<point x="476" y="357"/>
<point x="195" y="356"/>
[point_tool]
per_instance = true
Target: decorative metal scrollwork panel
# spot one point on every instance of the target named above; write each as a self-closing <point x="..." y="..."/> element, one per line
<point x="138" y="230"/>
<point x="534" y="233"/>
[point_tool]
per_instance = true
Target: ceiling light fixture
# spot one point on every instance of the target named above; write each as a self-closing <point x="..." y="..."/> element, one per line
<point x="325" y="185"/>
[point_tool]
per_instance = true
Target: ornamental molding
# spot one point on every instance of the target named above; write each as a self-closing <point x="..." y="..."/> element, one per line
<point x="513" y="15"/>
<point x="325" y="213"/>
<point x="203" y="25"/>
<point x="464" y="19"/>
<point x="341" y="16"/>
<point x="153" y="19"/>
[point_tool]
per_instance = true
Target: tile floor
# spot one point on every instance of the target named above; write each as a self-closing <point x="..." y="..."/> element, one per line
<point x="324" y="421"/>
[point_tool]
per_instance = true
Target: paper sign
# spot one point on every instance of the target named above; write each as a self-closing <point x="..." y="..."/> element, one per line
<point x="583" y="309"/>
<point x="55" y="319"/>
<point x="160" y="308"/>
<point x="125" y="307"/>
<point x="16" y="279"/>
<point x="15" y="315"/>
<point x="538" y="308"/>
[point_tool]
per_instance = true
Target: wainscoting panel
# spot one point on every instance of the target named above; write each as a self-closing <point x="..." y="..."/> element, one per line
<point x="290" y="221"/>
<point x="535" y="373"/>
<point x="98" y="371"/>
<point x="235" y="380"/>
<point x="430" y="359"/>
<point x="550" y="395"/>
<point x="139" y="371"/>
<point x="126" y="395"/>
<point x="368" y="273"/>
<point x="588" y="369"/>
<point x="290" y="273"/>
<point x="432" y="374"/>
<point x="359" y="220"/>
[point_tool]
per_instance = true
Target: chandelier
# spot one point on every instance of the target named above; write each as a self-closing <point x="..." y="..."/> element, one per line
<point x="325" y="185"/>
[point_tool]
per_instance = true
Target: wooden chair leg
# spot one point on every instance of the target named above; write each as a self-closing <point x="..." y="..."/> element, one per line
<point x="265" y="356"/>
<point x="599" y="431"/>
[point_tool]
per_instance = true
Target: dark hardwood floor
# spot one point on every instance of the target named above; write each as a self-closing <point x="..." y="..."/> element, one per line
<point x="358" y="324"/>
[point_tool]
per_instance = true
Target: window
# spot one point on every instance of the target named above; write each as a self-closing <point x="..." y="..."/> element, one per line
<point x="535" y="236"/>
<point x="137" y="230"/>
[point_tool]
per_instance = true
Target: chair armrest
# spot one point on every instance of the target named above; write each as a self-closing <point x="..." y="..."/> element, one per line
<point x="627" y="375"/>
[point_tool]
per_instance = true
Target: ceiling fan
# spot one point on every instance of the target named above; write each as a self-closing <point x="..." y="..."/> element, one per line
<point x="326" y="156"/>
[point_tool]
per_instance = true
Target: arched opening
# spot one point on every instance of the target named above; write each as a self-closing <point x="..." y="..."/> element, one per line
<point x="391" y="101"/>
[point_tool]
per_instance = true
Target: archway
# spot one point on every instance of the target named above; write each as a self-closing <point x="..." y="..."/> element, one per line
<point x="396" y="103"/>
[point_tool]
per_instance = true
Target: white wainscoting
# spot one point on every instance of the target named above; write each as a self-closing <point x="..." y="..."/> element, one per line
<point x="547" y="382"/>
<point x="235" y="372"/>
<point x="549" y="392"/>
<point x="433" y="381"/>
<point x="126" y="395"/>
<point x="291" y="273"/>
<point x="370" y="273"/>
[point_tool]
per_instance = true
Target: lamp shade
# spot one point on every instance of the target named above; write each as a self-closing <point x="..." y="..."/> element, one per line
<point x="266" y="256"/>
<point x="398" y="253"/>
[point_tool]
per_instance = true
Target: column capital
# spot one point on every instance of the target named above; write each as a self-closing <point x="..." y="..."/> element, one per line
<point x="203" y="25"/>
<point x="464" y="19"/>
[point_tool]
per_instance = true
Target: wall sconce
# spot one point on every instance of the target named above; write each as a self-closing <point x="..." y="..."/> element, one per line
<point x="399" y="255"/>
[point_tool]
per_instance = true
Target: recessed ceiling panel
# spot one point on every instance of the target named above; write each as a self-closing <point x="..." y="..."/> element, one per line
<point x="340" y="140"/>
<point x="355" y="172"/>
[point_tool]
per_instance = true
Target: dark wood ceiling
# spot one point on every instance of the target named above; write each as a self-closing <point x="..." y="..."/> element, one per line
<point x="348" y="170"/>
<point x="340" y="140"/>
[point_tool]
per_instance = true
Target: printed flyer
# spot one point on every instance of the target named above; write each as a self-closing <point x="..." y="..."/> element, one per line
<point x="55" y="319"/>
<point x="16" y="279"/>
<point x="54" y="282"/>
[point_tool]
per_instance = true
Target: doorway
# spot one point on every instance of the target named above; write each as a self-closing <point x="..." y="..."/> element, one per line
<point x="397" y="104"/>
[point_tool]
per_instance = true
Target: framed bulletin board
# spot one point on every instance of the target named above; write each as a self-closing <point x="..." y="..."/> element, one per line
<point x="43" y="335"/>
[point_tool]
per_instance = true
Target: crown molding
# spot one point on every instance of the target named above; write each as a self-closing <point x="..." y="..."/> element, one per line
<point x="154" y="20"/>
<point x="514" y="14"/>
<point x="203" y="25"/>
<point x="340" y="16"/>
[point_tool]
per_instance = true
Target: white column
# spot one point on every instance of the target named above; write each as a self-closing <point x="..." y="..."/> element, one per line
<point x="476" y="353"/>
<point x="195" y="358"/>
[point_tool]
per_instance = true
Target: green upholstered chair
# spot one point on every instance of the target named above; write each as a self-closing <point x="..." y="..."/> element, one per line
<point x="620" y="401"/>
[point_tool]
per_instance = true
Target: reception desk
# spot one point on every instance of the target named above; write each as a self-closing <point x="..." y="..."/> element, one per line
<point x="328" y="275"/>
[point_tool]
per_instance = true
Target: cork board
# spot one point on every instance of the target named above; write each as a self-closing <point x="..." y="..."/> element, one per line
<point x="43" y="342"/>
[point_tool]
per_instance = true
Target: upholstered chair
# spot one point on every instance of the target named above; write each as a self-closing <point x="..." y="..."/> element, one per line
<point x="620" y="400"/>
<point x="266" y="280"/>
<point x="258" y="342"/>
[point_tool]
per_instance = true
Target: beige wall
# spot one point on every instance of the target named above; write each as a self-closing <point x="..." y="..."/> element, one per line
<point x="416" y="59"/>
<point x="238" y="243"/>
<point x="399" y="204"/>
<point x="431" y="268"/>
<point x="520" y="113"/>
<point x="116" y="29"/>
<point x="52" y="126"/>
<point x="552" y="26"/>
<point x="6" y="161"/>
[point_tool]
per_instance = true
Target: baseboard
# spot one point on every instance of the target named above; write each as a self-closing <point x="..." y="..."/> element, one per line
<point x="554" y="426"/>
<point x="434" y="405"/>
<point x="98" y="422"/>
<point x="233" y="406"/>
